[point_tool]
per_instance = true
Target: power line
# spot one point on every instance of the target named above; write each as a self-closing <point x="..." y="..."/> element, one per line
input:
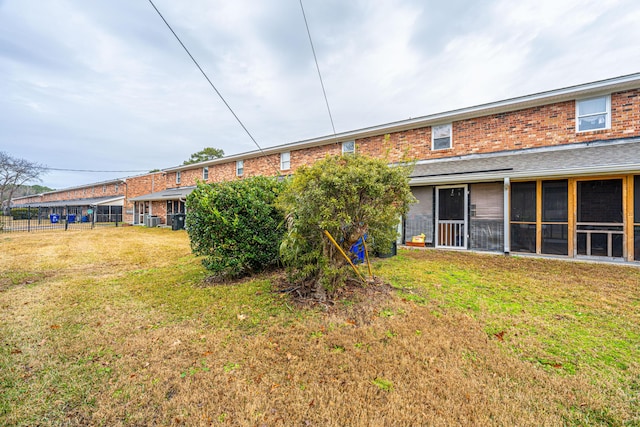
<point x="214" y="88"/>
<point x="326" y="100"/>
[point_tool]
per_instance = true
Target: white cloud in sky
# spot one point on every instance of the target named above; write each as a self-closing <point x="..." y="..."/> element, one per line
<point x="104" y="85"/>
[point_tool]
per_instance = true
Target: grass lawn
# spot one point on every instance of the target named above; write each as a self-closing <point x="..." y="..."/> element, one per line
<point x="118" y="327"/>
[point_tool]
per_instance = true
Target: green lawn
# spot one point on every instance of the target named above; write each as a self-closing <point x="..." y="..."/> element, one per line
<point x="120" y="327"/>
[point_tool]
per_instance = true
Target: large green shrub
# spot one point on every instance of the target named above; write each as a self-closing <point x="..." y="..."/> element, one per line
<point x="235" y="226"/>
<point x="348" y="196"/>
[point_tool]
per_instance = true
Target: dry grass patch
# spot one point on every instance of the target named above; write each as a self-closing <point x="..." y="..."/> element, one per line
<point x="118" y="327"/>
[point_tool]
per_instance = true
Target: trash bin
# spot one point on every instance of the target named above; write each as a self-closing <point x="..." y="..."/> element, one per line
<point x="84" y="218"/>
<point x="393" y="251"/>
<point x="71" y="218"/>
<point x="54" y="218"/>
<point x="178" y="221"/>
<point x="357" y="249"/>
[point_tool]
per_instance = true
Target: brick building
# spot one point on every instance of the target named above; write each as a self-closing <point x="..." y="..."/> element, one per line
<point x="554" y="173"/>
<point x="97" y="202"/>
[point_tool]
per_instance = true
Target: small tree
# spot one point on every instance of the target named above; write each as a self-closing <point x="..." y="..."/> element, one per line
<point x="203" y="155"/>
<point x="348" y="196"/>
<point x="14" y="173"/>
<point x="235" y="225"/>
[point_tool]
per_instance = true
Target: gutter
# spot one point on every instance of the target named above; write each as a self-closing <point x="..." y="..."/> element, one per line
<point x="500" y="175"/>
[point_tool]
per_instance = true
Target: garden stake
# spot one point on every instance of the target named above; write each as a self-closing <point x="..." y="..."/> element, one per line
<point x="366" y="255"/>
<point x="344" y="255"/>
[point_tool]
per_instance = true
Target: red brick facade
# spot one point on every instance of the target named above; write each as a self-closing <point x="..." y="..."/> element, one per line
<point x="107" y="189"/>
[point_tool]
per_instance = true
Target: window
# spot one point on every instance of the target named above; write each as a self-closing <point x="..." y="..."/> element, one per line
<point x="115" y="187"/>
<point x="348" y="147"/>
<point x="178" y="177"/>
<point x="285" y="161"/>
<point x="104" y="188"/>
<point x="441" y="137"/>
<point x="205" y="173"/>
<point x="593" y="113"/>
<point x="239" y="167"/>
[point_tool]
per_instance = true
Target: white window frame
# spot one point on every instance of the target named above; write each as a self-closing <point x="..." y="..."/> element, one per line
<point x="607" y="124"/>
<point x="285" y="160"/>
<point x="178" y="177"/>
<point x="205" y="173"/>
<point x="239" y="167"/>
<point x="349" y="150"/>
<point x="433" y="136"/>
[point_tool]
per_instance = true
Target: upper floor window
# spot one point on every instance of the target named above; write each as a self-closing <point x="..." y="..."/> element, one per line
<point x="441" y="137"/>
<point x="115" y="187"/>
<point x="104" y="188"/>
<point x="593" y="113"/>
<point x="178" y="177"/>
<point x="239" y="167"/>
<point x="348" y="147"/>
<point x="285" y="161"/>
<point x="205" y="173"/>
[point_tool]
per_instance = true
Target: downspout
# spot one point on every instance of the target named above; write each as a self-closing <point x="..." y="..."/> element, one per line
<point x="507" y="234"/>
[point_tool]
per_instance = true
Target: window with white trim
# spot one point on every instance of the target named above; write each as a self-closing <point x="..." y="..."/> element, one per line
<point x="349" y="147"/>
<point x="205" y="173"/>
<point x="239" y="167"/>
<point x="593" y="113"/>
<point x="285" y="161"/>
<point x="441" y="137"/>
<point x="178" y="177"/>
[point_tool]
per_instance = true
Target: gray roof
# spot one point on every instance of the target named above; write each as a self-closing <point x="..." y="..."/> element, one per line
<point x="622" y="156"/>
<point x="168" y="194"/>
<point x="75" y="202"/>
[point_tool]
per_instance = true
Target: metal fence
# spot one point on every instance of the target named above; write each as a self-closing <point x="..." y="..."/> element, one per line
<point x="37" y="218"/>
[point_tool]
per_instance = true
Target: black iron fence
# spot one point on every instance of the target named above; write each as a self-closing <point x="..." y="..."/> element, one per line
<point x="38" y="218"/>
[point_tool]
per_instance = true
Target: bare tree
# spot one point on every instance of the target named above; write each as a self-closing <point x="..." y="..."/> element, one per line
<point x="15" y="172"/>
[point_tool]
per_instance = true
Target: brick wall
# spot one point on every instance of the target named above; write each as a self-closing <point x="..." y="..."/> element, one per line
<point x="141" y="185"/>
<point x="548" y="125"/>
<point x="112" y="189"/>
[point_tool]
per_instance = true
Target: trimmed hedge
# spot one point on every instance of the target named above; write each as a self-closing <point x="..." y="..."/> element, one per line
<point x="23" y="213"/>
<point x="235" y="226"/>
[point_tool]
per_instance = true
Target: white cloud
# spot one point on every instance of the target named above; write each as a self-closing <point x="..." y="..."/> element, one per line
<point x="97" y="85"/>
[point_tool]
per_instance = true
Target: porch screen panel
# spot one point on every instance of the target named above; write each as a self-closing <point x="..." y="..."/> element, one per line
<point x="555" y="216"/>
<point x="420" y="217"/>
<point x="599" y="218"/>
<point x="486" y="222"/>
<point x="523" y="216"/>
<point x="636" y="217"/>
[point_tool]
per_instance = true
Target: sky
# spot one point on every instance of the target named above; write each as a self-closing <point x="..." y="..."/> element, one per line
<point x="103" y="85"/>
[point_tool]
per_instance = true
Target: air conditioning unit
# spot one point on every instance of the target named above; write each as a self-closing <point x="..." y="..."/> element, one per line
<point x="154" y="221"/>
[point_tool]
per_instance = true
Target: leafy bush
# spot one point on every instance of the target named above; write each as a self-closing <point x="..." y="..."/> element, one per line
<point x="348" y="196"/>
<point x="235" y="225"/>
<point x="24" y="213"/>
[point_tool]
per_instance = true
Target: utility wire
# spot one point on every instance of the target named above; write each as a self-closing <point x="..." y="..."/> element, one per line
<point x="326" y="100"/>
<point x="215" y="89"/>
